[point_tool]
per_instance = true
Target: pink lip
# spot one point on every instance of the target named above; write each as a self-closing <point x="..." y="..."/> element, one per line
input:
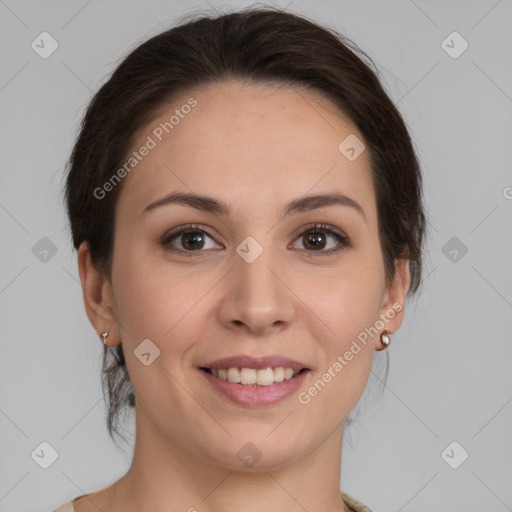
<point x="258" y="363"/>
<point x="255" y="395"/>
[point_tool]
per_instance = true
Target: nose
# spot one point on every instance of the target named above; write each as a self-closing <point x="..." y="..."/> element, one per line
<point x="257" y="299"/>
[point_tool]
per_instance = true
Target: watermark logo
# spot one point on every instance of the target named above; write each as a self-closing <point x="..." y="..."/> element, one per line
<point x="249" y="249"/>
<point x="146" y="352"/>
<point x="249" y="454"/>
<point x="44" y="250"/>
<point x="351" y="147"/>
<point x="44" y="45"/>
<point x="454" y="45"/>
<point x="454" y="249"/>
<point x="44" y="455"/>
<point x="454" y="455"/>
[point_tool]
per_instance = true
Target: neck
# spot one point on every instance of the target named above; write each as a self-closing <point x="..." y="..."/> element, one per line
<point x="164" y="477"/>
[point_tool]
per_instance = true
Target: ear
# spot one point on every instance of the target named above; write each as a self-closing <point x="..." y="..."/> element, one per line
<point x="393" y="304"/>
<point x="97" y="295"/>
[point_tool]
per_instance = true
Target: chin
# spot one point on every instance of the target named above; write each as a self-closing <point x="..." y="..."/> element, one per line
<point x="257" y="452"/>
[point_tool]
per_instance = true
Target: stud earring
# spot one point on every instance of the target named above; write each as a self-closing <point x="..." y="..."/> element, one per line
<point x="104" y="336"/>
<point x="385" y="338"/>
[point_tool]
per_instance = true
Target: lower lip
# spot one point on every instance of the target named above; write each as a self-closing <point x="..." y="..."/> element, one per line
<point x="256" y="395"/>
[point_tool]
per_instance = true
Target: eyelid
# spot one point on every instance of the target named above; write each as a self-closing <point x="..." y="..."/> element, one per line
<point x="320" y="226"/>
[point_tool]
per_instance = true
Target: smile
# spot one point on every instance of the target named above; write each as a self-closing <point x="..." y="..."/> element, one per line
<point x="254" y="377"/>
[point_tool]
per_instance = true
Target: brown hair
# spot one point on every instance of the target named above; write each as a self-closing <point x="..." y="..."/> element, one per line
<point x="257" y="45"/>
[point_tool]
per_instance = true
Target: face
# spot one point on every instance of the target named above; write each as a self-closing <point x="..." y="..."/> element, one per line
<point x="260" y="277"/>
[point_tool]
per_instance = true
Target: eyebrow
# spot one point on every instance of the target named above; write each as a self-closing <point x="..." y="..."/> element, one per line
<point x="301" y="205"/>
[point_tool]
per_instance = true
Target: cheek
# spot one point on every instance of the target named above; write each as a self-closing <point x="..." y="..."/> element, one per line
<point x="151" y="304"/>
<point x="350" y="317"/>
<point x="347" y="303"/>
<point x="347" y="352"/>
<point x="148" y="303"/>
<point x="347" y="298"/>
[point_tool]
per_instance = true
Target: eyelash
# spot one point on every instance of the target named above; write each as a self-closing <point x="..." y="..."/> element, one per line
<point x="343" y="240"/>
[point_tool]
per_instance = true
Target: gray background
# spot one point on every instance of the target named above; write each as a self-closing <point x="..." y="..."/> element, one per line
<point x="450" y="376"/>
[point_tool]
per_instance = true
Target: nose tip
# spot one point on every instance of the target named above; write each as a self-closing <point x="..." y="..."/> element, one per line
<point x="256" y="297"/>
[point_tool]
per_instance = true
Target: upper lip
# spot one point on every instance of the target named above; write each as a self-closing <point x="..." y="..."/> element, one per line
<point x="257" y="363"/>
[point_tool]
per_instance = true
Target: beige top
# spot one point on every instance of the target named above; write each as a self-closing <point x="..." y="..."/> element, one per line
<point x="354" y="505"/>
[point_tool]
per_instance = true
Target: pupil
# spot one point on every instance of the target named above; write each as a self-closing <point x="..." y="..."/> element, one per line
<point x="195" y="237"/>
<point x="317" y="240"/>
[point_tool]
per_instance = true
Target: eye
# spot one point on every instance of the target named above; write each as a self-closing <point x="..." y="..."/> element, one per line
<point x="189" y="238"/>
<point x="192" y="238"/>
<point x="316" y="238"/>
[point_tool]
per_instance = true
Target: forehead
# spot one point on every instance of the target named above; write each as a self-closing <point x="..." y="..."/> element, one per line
<point x="252" y="144"/>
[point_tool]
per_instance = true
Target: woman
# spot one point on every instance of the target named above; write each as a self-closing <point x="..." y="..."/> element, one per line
<point x="246" y="204"/>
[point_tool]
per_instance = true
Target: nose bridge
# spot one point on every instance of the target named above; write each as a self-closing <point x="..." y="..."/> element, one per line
<point x="257" y="295"/>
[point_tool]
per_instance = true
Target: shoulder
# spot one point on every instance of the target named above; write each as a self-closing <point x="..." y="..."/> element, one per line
<point x="65" y="507"/>
<point x="68" y="506"/>
<point x="355" y="506"/>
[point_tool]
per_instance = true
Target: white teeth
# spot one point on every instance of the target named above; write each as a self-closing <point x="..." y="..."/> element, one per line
<point x="279" y="374"/>
<point x="251" y="377"/>
<point x="247" y="376"/>
<point x="234" y="375"/>
<point x="265" y="377"/>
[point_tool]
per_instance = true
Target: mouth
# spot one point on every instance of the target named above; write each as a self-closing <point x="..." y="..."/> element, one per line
<point x="255" y="377"/>
<point x="255" y="381"/>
